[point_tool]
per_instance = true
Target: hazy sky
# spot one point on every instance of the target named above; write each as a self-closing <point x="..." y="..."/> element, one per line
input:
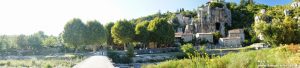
<point x="50" y="16"/>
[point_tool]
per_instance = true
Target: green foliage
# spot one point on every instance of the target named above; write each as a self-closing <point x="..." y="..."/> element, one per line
<point x="174" y="21"/>
<point x="278" y="32"/>
<point x="246" y="2"/>
<point x="73" y="34"/>
<point x="22" y="42"/>
<point x="216" y="36"/>
<point x="130" y="53"/>
<point x="161" y="31"/>
<point x="216" y="4"/>
<point x="35" y="40"/>
<point x="108" y="31"/>
<point x="188" y="49"/>
<point x="122" y="32"/>
<point x="141" y="32"/>
<point x="40" y="63"/>
<point x="243" y="16"/>
<point x="50" y="41"/>
<point x="188" y="13"/>
<point x="285" y="55"/>
<point x="120" y="57"/>
<point x="96" y="34"/>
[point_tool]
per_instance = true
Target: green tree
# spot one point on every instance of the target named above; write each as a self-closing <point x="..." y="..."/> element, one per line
<point x="35" y="40"/>
<point x="50" y="41"/>
<point x="73" y="34"/>
<point x="22" y="42"/>
<point x="161" y="31"/>
<point x="216" y="36"/>
<point x="4" y="43"/>
<point x="122" y="32"/>
<point x="96" y="34"/>
<point x="242" y="2"/>
<point x="278" y="32"/>
<point x="108" y="31"/>
<point x="142" y="34"/>
<point x="188" y="49"/>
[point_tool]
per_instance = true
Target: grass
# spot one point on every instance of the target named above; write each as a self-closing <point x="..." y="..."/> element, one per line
<point x="54" y="62"/>
<point x="37" y="63"/>
<point x="287" y="55"/>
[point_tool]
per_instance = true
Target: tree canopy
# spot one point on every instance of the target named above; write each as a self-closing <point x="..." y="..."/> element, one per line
<point x="108" y="31"/>
<point x="122" y="32"/>
<point x="73" y="34"/>
<point x="279" y="32"/>
<point x="142" y="34"/>
<point x="161" y="31"/>
<point x="96" y="34"/>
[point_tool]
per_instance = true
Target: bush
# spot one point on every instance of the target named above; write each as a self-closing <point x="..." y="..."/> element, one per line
<point x="121" y="58"/>
<point x="216" y="37"/>
<point x="188" y="49"/>
<point x="48" y="66"/>
<point x="214" y="4"/>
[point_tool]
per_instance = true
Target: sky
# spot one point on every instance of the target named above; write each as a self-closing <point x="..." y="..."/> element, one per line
<point x="30" y="16"/>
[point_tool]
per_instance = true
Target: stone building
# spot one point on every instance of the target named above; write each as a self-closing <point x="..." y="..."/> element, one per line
<point x="235" y="39"/>
<point x="230" y="42"/>
<point x="209" y="19"/>
<point x="237" y="33"/>
<point x="187" y="34"/>
<point x="205" y="37"/>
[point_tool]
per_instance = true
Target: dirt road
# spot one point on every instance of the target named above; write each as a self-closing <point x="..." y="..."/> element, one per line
<point x="95" y="62"/>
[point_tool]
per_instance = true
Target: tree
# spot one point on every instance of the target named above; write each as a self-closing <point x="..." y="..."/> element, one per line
<point x="242" y="2"/>
<point x="216" y="37"/>
<point x="142" y="34"/>
<point x="278" y="32"/>
<point x="35" y="40"/>
<point x="96" y="34"/>
<point x="50" y="41"/>
<point x="251" y="2"/>
<point x="108" y="31"/>
<point x="4" y="43"/>
<point x="161" y="31"/>
<point x="189" y="50"/>
<point x="22" y="42"/>
<point x="122" y="32"/>
<point x="73" y="34"/>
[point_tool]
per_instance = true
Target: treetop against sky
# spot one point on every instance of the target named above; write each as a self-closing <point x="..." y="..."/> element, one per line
<point x="29" y="16"/>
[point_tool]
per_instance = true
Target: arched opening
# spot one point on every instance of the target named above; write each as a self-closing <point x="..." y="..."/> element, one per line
<point x="217" y="26"/>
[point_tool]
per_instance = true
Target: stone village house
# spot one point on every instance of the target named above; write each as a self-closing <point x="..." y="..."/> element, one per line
<point x="209" y="19"/>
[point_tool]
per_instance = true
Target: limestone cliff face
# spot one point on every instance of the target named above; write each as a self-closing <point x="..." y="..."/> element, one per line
<point x="295" y="4"/>
<point x="213" y="19"/>
<point x="209" y="19"/>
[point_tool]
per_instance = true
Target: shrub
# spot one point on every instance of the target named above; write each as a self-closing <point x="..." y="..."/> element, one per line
<point x="216" y="37"/>
<point x="215" y="4"/>
<point x="121" y="58"/>
<point x="188" y="49"/>
<point x="48" y="66"/>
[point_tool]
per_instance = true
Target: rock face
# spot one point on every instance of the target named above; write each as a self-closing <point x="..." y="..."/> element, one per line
<point x="213" y="19"/>
<point x="295" y="4"/>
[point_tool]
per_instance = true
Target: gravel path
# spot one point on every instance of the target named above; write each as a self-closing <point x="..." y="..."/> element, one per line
<point x="95" y="62"/>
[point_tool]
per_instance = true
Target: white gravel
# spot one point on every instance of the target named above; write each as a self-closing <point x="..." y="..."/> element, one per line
<point x="95" y="62"/>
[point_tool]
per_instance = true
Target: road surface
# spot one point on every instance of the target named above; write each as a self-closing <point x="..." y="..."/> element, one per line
<point x="95" y="62"/>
